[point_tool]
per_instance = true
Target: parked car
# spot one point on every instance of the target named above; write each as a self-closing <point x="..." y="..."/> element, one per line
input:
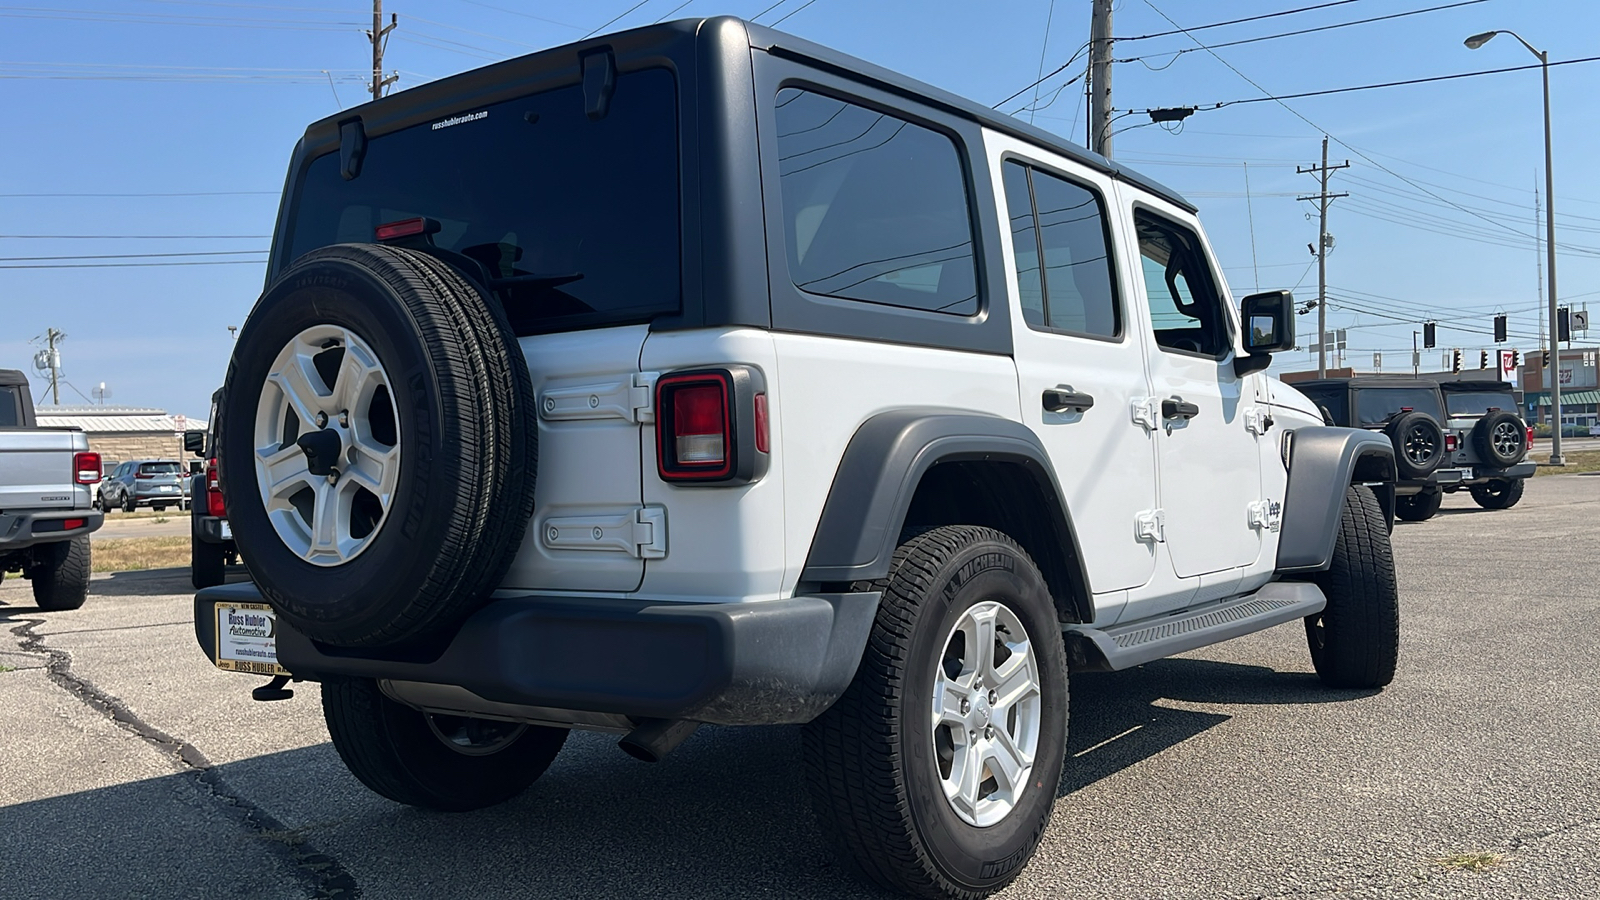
<point x="1438" y="450"/>
<point x="156" y="483"/>
<point x="211" y="546"/>
<point x="850" y="403"/>
<point x="47" y="476"/>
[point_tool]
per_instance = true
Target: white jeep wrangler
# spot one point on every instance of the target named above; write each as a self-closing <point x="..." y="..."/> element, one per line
<point x="699" y="374"/>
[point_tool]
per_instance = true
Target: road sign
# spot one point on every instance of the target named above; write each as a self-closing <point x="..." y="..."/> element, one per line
<point x="1580" y="320"/>
<point x="1508" y="366"/>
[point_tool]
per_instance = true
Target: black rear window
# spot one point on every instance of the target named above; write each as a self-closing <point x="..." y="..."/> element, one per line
<point x="159" y="468"/>
<point x="529" y="187"/>
<point x="1477" y="403"/>
<point x="10" y="409"/>
<point x="1378" y="405"/>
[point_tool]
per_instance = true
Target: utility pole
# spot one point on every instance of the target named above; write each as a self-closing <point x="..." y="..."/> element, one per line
<point x="378" y="35"/>
<point x="1322" y="197"/>
<point x="1100" y="79"/>
<point x="51" y="336"/>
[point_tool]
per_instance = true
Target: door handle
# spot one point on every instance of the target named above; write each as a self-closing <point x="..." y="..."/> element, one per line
<point x="1065" y="399"/>
<point x="1178" y="408"/>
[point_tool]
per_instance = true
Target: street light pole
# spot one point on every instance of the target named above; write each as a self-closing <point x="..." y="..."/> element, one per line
<point x="1554" y="351"/>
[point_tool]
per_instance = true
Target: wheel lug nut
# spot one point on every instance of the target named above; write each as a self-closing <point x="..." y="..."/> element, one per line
<point x="322" y="420"/>
<point x="993" y="697"/>
<point x="333" y="476"/>
<point x="965" y="706"/>
<point x="988" y="732"/>
<point x="344" y="418"/>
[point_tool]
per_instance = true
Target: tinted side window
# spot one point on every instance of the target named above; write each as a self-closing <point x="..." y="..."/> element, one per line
<point x="10" y="410"/>
<point x="875" y="208"/>
<point x="1335" y="401"/>
<point x="1184" y="308"/>
<point x="1067" y="226"/>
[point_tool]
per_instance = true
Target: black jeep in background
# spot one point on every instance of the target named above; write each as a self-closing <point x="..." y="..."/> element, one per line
<point x="211" y="547"/>
<point x="1446" y="434"/>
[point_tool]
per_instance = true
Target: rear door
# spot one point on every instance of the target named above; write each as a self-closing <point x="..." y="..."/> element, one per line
<point x="1075" y="344"/>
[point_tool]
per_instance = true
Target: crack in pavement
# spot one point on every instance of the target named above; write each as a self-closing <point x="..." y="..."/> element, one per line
<point x="321" y="875"/>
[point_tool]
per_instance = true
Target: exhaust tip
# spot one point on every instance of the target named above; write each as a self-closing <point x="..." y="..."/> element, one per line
<point x="653" y="739"/>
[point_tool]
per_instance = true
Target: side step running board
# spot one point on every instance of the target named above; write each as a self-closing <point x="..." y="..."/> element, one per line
<point x="1136" y="643"/>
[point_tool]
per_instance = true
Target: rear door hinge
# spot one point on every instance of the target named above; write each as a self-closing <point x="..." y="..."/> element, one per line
<point x="1147" y="412"/>
<point x="1150" y="525"/>
<point x="630" y="398"/>
<point x="641" y="533"/>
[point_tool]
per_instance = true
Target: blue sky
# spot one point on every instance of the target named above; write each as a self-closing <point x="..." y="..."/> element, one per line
<point x="187" y="112"/>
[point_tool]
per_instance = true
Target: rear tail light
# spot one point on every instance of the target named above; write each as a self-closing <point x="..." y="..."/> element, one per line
<point x="1530" y="435"/>
<point x="1450" y="442"/>
<point x="86" y="468"/>
<point x="711" y="426"/>
<point x="389" y="231"/>
<point x="69" y="524"/>
<point x="143" y="475"/>
<point x="214" y="505"/>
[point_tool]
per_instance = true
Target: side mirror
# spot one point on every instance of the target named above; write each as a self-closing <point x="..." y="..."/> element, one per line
<point x="1268" y="328"/>
<point x="194" y="442"/>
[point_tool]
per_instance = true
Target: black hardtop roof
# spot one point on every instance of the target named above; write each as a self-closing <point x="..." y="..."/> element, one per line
<point x="1484" y="386"/>
<point x="414" y="105"/>
<point x="12" y="377"/>
<point x="1371" y="381"/>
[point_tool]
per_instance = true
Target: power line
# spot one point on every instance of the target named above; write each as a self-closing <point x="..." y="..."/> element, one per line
<point x="525" y="15"/>
<point x="134" y="237"/>
<point x="182" y="194"/>
<point x="1303" y="31"/>
<point x="791" y="12"/>
<point x="129" y="255"/>
<point x="630" y="9"/>
<point x="1287" y="12"/>
<point x="1279" y="98"/>
<point x="138" y="265"/>
<point x="1053" y="73"/>
<point x="1267" y="95"/>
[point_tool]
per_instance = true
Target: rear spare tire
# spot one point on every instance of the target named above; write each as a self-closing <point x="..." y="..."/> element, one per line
<point x="378" y="449"/>
<point x="1418" y="444"/>
<point x="1498" y="493"/>
<point x="1418" y="507"/>
<point x="1500" y="438"/>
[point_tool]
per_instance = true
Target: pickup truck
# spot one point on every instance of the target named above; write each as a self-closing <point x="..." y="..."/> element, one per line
<point x="47" y="478"/>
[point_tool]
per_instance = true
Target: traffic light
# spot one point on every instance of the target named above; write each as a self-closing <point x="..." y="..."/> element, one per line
<point x="1516" y="359"/>
<point x="1427" y="335"/>
<point x="1499" y="329"/>
<point x="1545" y="360"/>
<point x="1455" y="360"/>
<point x="1483" y="359"/>
<point x="1563" y="325"/>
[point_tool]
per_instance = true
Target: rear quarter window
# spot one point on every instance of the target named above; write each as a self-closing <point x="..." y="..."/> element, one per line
<point x="875" y="206"/>
<point x="1376" y="406"/>
<point x="10" y="408"/>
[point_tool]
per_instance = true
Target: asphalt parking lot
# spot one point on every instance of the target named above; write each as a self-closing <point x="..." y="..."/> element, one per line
<point x="132" y="768"/>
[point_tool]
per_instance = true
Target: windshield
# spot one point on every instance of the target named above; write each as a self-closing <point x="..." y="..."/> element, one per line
<point x="585" y="209"/>
<point x="1478" y="403"/>
<point x="159" y="468"/>
<point x="1378" y="405"/>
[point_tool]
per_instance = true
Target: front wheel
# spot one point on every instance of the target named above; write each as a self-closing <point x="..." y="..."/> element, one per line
<point x="935" y="773"/>
<point x="1501" y="493"/>
<point x="1355" y="640"/>
<point x="450" y="763"/>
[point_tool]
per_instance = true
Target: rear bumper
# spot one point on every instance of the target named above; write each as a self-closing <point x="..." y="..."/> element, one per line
<point x="212" y="530"/>
<point x="1520" y="470"/>
<point x="149" y="498"/>
<point x="757" y="663"/>
<point x="24" y="528"/>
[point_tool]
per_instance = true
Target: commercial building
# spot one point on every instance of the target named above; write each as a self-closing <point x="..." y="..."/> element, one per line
<point x="121" y="433"/>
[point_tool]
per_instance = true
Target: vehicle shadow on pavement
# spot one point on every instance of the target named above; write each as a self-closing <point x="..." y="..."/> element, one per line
<point x="1118" y="718"/>
<point x="146" y="582"/>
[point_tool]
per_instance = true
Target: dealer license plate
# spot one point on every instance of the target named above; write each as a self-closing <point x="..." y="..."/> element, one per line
<point x="247" y="639"/>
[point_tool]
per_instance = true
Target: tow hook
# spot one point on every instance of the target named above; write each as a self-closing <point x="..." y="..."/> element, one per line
<point x="273" y="690"/>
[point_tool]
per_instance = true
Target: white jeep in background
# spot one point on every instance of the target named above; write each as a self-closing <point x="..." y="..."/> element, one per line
<point x="700" y="374"/>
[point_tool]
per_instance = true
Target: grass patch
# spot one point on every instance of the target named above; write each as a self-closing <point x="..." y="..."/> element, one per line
<point x="1581" y="461"/>
<point x="1476" y="861"/>
<point x="5" y="668"/>
<point x="142" y="512"/>
<point x="134" y="554"/>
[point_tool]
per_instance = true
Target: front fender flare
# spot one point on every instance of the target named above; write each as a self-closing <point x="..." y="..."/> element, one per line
<point x="1323" y="461"/>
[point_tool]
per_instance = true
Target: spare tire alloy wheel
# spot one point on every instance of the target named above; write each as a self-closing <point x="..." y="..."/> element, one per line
<point x="986" y="713"/>
<point x="327" y="449"/>
<point x="1419" y="444"/>
<point x="1501" y="438"/>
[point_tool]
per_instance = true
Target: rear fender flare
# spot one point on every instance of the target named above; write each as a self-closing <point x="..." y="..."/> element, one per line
<point x="881" y="470"/>
<point x="1322" y="461"/>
